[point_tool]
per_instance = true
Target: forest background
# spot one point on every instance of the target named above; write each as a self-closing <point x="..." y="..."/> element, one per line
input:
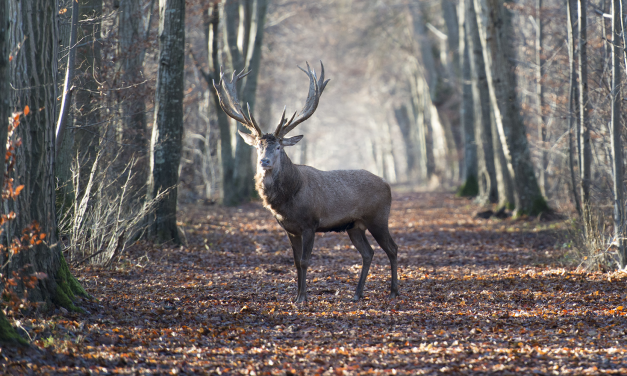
<point x="112" y="122"/>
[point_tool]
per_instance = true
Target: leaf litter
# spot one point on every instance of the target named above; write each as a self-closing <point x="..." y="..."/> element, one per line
<point x="477" y="296"/>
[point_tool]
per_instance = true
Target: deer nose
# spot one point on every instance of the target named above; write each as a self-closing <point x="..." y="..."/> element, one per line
<point x="265" y="162"/>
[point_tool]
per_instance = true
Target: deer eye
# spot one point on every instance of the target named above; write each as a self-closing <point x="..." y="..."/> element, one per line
<point x="278" y="148"/>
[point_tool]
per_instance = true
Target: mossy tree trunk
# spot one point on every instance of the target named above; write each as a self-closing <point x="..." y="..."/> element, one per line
<point x="33" y="74"/>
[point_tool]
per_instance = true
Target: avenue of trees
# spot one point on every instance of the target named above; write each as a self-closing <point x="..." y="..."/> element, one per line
<point x="109" y="119"/>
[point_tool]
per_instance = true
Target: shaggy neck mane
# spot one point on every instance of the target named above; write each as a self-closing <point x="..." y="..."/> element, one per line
<point x="276" y="187"/>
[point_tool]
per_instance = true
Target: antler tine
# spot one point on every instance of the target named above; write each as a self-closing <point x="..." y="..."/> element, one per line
<point x="253" y="121"/>
<point x="277" y="131"/>
<point x="315" y="91"/>
<point x="227" y="93"/>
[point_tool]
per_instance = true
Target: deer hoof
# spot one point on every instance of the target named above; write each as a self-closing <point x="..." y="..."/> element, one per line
<point x="393" y="294"/>
<point x="356" y="298"/>
<point x="300" y="299"/>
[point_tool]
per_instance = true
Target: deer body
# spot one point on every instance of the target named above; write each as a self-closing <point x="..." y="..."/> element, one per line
<point x="305" y="200"/>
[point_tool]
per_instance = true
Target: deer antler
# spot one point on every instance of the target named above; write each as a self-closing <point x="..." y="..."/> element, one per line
<point x="227" y="92"/>
<point x="315" y="91"/>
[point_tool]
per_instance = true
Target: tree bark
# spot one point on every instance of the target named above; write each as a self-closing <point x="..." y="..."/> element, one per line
<point x="135" y="130"/>
<point x="572" y="95"/>
<point x="244" y="172"/>
<point x="5" y="84"/>
<point x="69" y="77"/>
<point x="167" y="131"/>
<point x="229" y="193"/>
<point x="86" y="97"/>
<point x="34" y="73"/>
<point x="584" y="106"/>
<point x="408" y="131"/>
<point x="496" y="30"/>
<point x="471" y="173"/>
<point x="540" y="100"/>
<point x="617" y="145"/>
<point x="487" y="174"/>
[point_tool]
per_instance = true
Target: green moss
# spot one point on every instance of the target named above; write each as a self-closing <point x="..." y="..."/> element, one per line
<point x="539" y="206"/>
<point x="67" y="288"/>
<point x="470" y="188"/>
<point x="8" y="334"/>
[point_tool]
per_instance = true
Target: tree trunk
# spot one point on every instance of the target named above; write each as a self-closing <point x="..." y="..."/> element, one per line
<point x="540" y="100"/>
<point x="66" y="95"/>
<point x="167" y="131"/>
<point x="7" y="334"/>
<point x="470" y="186"/>
<point x="229" y="193"/>
<point x="418" y="118"/>
<point x="572" y="95"/>
<point x="584" y="106"/>
<point x="243" y="152"/>
<point x="496" y="31"/>
<point x="135" y="131"/>
<point x="482" y="118"/>
<point x="617" y="145"/>
<point x="454" y="36"/>
<point x="5" y="84"/>
<point x="408" y="130"/>
<point x="86" y="99"/>
<point x="34" y="78"/>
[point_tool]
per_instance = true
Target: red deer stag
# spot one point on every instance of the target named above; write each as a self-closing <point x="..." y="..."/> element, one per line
<point x="305" y="200"/>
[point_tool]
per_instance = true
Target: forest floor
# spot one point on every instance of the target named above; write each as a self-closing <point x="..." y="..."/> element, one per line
<point x="477" y="297"/>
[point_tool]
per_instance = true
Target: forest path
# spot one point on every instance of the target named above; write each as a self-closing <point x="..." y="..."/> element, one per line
<point x="477" y="296"/>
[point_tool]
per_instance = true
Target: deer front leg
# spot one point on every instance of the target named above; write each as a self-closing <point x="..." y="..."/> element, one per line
<point x="307" y="247"/>
<point x="297" y="248"/>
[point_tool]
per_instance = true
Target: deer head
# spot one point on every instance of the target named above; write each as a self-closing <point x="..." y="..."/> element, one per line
<point x="270" y="145"/>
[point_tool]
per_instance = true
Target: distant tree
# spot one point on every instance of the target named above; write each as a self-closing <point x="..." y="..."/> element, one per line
<point x="496" y="30"/>
<point x="167" y="131"/>
<point x="584" y="105"/>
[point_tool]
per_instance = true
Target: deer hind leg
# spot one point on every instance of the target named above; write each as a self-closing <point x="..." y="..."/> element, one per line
<point x="381" y="234"/>
<point x="358" y="237"/>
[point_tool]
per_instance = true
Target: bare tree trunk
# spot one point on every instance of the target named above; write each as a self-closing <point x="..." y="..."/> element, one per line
<point x="86" y="98"/>
<point x="167" y="131"/>
<point x="482" y="113"/>
<point x="617" y="145"/>
<point x="470" y="186"/>
<point x="5" y="84"/>
<point x="135" y="130"/>
<point x="7" y="334"/>
<point x="572" y="94"/>
<point x="243" y="152"/>
<point x="584" y="106"/>
<point x="453" y="26"/>
<point x="34" y="72"/>
<point x="69" y="77"/>
<point x="229" y="193"/>
<point x="418" y="109"/>
<point x="496" y="29"/>
<point x="540" y="100"/>
<point x="407" y="127"/>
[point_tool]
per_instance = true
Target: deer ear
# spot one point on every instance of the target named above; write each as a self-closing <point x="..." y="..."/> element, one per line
<point x="248" y="138"/>
<point x="291" y="141"/>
